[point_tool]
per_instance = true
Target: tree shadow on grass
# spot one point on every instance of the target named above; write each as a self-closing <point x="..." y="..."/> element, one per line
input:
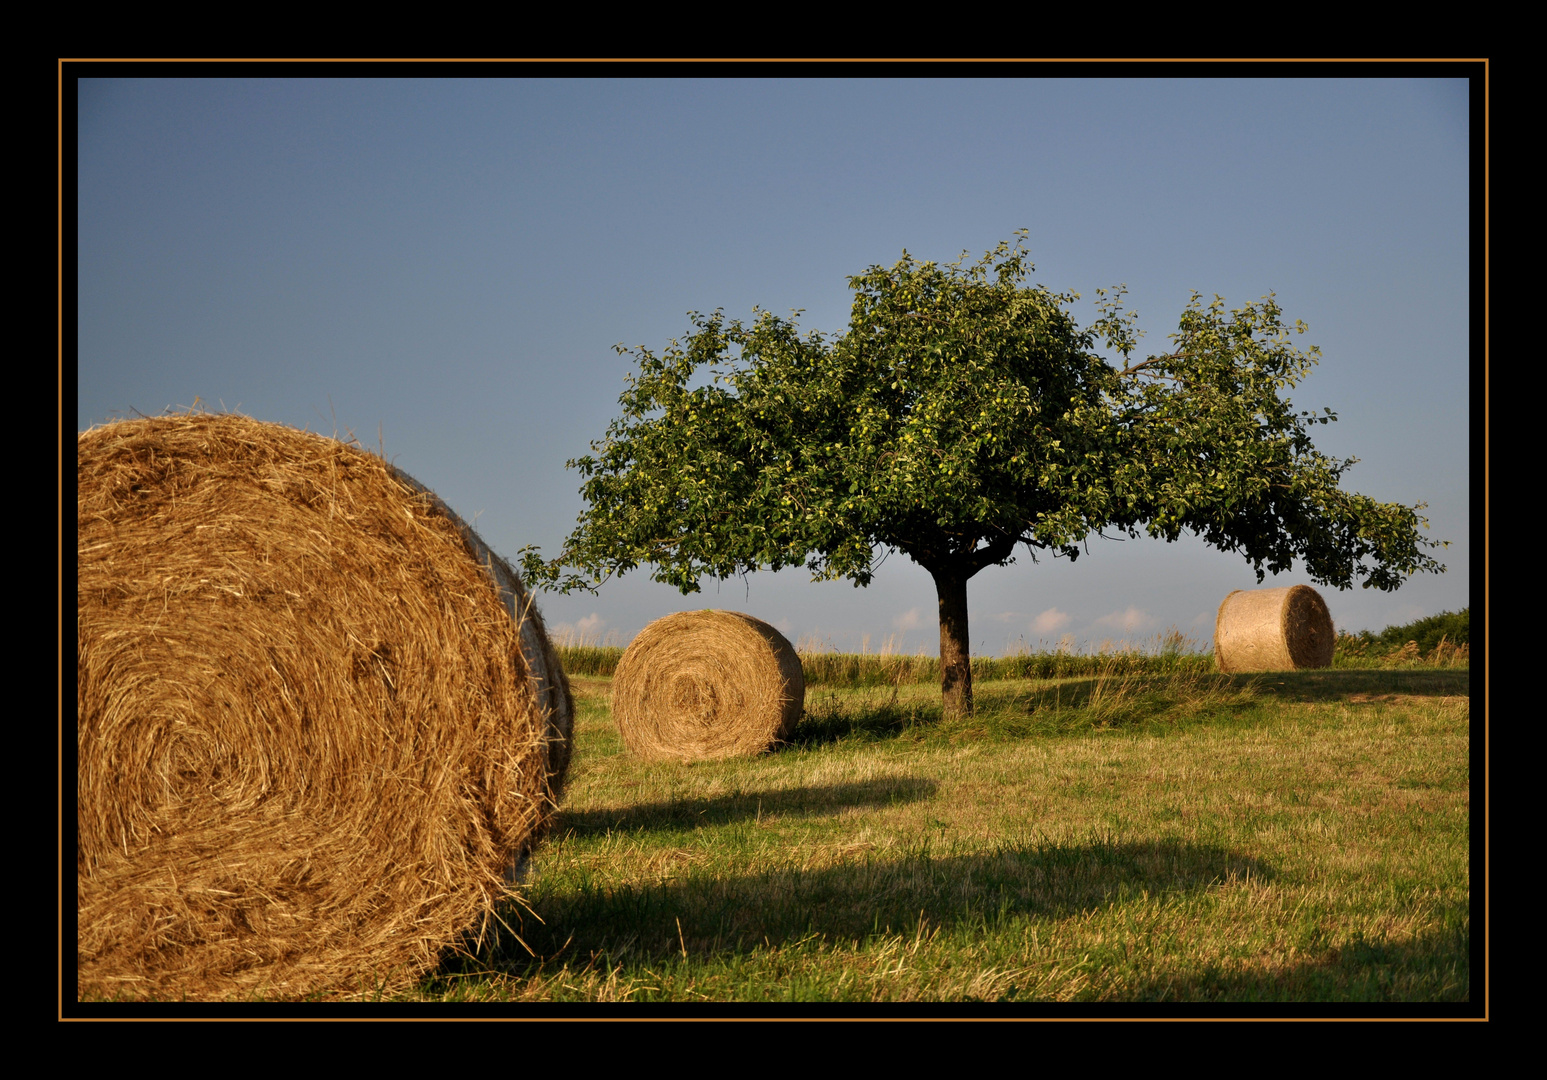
<point x="856" y="896"/>
<point x="830" y="719"/>
<point x="1339" y="684"/>
<point x="1157" y="693"/>
<point x="1431" y="967"/>
<point x="680" y="814"/>
<point x="1018" y="709"/>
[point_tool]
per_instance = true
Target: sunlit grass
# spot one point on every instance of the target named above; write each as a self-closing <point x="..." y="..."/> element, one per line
<point x="1122" y="837"/>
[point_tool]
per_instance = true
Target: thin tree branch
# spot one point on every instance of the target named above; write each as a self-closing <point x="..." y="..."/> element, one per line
<point x="1155" y="360"/>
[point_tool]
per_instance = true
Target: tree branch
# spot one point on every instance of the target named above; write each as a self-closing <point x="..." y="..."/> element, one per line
<point x="1155" y="360"/>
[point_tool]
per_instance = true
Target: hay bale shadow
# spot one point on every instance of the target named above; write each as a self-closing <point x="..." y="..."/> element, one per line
<point x="849" y="901"/>
<point x="680" y="814"/>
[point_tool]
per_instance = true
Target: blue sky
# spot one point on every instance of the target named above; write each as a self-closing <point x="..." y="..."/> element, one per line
<point x="449" y="264"/>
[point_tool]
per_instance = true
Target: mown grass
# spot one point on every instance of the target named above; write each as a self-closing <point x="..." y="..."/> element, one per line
<point x="1125" y="836"/>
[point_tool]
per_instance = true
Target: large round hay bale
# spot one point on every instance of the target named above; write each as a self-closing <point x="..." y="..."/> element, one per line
<point x="707" y="684"/>
<point x="319" y="723"/>
<point x="1273" y="630"/>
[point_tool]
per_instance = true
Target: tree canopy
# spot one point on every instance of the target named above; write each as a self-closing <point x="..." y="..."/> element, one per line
<point x="963" y="415"/>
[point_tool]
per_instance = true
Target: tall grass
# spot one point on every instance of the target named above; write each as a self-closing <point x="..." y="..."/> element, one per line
<point x="824" y="666"/>
<point x="1365" y="651"/>
<point x="1440" y="641"/>
<point x="588" y="654"/>
<point x="870" y="669"/>
<point x="1167" y="655"/>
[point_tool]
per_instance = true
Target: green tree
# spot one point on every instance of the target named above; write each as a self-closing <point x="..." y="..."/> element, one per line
<point x="963" y="415"/>
<point x="1452" y="626"/>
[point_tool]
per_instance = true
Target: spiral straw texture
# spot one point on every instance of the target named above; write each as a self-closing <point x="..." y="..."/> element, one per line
<point x="312" y="741"/>
<point x="707" y="684"/>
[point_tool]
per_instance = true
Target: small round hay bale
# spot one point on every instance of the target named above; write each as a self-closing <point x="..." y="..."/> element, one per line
<point x="1273" y="630"/>
<point x="318" y="721"/>
<point x="707" y="684"/>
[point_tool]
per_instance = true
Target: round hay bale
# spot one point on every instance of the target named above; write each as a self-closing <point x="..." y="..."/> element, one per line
<point x="318" y="722"/>
<point x="1273" y="630"/>
<point x="707" y="684"/>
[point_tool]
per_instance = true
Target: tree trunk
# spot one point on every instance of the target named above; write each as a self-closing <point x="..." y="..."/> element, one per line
<point x="955" y="655"/>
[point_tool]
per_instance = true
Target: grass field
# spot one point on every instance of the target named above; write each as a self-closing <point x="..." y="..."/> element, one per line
<point x="1128" y="835"/>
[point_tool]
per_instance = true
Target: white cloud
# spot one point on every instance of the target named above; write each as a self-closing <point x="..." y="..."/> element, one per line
<point x="1050" y="621"/>
<point x="586" y="631"/>
<point x="1127" y="621"/>
<point x="909" y="620"/>
<point x="785" y="626"/>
